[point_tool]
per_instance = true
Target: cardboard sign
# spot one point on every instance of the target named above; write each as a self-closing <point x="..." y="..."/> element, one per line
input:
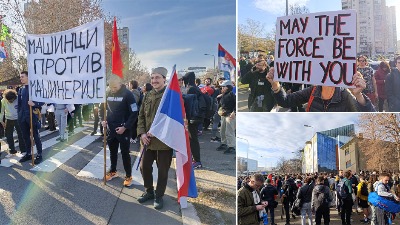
<point x="68" y="67"/>
<point x="317" y="48"/>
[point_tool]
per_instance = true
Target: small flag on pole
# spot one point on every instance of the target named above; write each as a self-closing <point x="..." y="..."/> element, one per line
<point x="226" y="62"/>
<point x="169" y="127"/>
<point x="117" y="64"/>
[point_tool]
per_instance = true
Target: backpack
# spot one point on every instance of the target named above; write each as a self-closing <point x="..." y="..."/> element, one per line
<point x="341" y="190"/>
<point x="364" y="189"/>
<point x="195" y="107"/>
<point x="321" y="200"/>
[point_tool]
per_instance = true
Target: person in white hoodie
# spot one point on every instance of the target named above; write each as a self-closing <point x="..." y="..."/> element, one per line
<point x="61" y="113"/>
<point x="9" y="107"/>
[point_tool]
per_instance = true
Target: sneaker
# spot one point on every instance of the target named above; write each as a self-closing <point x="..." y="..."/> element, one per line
<point x="128" y="181"/>
<point x="146" y="196"/>
<point x="12" y="152"/>
<point x="196" y="165"/>
<point x="111" y="175"/>
<point x="93" y="133"/>
<point x="38" y="159"/>
<point x="222" y="147"/>
<point x="230" y="150"/>
<point x="215" y="140"/>
<point x="25" y="158"/>
<point x="158" y="203"/>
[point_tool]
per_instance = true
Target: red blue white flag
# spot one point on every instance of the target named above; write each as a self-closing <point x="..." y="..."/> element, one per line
<point x="226" y="62"/>
<point x="3" y="53"/>
<point x="169" y="127"/>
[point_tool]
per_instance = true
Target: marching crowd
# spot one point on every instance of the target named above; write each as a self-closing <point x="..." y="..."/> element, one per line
<point x="372" y="89"/>
<point x="312" y="195"/>
<point x="130" y="112"/>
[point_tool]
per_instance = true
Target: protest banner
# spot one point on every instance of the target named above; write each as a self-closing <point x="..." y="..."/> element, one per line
<point x="68" y="67"/>
<point x="317" y="48"/>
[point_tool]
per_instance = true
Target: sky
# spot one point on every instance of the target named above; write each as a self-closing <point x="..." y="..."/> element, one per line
<point x="274" y="135"/>
<point x="266" y="11"/>
<point x="168" y="32"/>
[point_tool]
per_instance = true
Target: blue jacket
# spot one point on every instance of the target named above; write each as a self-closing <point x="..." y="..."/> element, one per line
<point x="23" y="107"/>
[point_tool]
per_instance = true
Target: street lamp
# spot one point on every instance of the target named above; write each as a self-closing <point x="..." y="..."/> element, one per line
<point x="312" y="146"/>
<point x="248" y="146"/>
<point x="215" y="75"/>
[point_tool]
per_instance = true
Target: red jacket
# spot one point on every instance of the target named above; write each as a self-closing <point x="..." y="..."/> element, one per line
<point x="380" y="76"/>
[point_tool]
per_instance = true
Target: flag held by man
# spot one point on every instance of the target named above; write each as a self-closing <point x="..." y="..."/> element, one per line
<point x="169" y="127"/>
<point x="226" y="62"/>
<point x="117" y="64"/>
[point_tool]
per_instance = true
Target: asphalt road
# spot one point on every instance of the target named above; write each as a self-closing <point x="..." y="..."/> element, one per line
<point x="63" y="197"/>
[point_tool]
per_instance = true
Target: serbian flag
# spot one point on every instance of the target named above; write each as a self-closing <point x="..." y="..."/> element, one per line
<point x="3" y="53"/>
<point x="226" y="62"/>
<point x="169" y="127"/>
<point x="117" y="65"/>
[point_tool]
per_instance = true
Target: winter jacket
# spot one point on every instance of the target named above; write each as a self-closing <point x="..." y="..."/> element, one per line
<point x="359" y="187"/>
<point x="228" y="102"/>
<point x="23" y="107"/>
<point x="392" y="85"/>
<point x="320" y="189"/>
<point x="305" y="193"/>
<point x="259" y="86"/>
<point x="246" y="209"/>
<point x="147" y="112"/>
<point x="380" y="77"/>
<point x="10" y="109"/>
<point x="268" y="194"/>
<point x="342" y="100"/>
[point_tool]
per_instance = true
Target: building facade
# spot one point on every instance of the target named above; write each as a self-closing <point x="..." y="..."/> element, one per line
<point x="123" y="36"/>
<point x="376" y="26"/>
<point x="252" y="164"/>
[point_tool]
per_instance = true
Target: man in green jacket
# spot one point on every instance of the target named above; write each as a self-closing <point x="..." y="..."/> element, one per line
<point x="249" y="202"/>
<point x="156" y="150"/>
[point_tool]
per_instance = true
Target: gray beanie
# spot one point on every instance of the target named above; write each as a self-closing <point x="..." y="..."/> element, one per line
<point x="160" y="70"/>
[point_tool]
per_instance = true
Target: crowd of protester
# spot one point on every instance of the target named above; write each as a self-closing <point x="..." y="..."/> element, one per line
<point x="372" y="89"/>
<point x="312" y="196"/>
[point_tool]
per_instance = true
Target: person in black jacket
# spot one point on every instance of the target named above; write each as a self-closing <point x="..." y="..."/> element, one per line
<point x="305" y="194"/>
<point x="268" y="194"/>
<point x="227" y="111"/>
<point x="289" y="192"/>
<point x="324" y="98"/>
<point x="262" y="99"/>
<point x="392" y="84"/>
<point x="122" y="111"/>
<point x="191" y="88"/>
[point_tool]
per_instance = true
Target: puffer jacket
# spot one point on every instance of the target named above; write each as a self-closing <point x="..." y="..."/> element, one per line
<point x="342" y="100"/>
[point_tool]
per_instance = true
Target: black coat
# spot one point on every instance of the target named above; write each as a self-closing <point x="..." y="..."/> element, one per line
<point x="305" y="193"/>
<point x="268" y="193"/>
<point x="392" y="84"/>
<point x="342" y="100"/>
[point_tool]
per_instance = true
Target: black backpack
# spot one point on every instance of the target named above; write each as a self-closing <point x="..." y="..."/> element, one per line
<point x="364" y="189"/>
<point x="195" y="107"/>
<point x="341" y="190"/>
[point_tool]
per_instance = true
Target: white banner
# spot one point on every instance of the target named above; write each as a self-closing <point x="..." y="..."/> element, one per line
<point x="317" y="48"/>
<point x="68" y="67"/>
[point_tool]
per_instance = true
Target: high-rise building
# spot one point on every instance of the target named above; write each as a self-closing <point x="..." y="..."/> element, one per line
<point x="123" y="35"/>
<point x="376" y="26"/>
<point x="252" y="164"/>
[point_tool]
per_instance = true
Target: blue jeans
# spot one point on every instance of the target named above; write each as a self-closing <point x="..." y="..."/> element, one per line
<point x="306" y="211"/>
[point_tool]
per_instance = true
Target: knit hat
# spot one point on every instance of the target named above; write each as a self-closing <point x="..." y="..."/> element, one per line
<point x="226" y="83"/>
<point x="160" y="70"/>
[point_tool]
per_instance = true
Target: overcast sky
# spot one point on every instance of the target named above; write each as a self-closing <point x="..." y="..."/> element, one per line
<point x="273" y="135"/>
<point x="168" y="32"/>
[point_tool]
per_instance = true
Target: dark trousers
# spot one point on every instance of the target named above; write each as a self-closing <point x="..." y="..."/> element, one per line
<point x="271" y="214"/>
<point x="381" y="101"/>
<point x="286" y="205"/>
<point x="51" y="120"/>
<point x="96" y="122"/>
<point x="78" y="114"/>
<point x="322" y="212"/>
<point x="163" y="159"/>
<point x="10" y="124"/>
<point x="194" y="141"/>
<point x="122" y="141"/>
<point x="24" y="124"/>
<point x="346" y="211"/>
<point x="134" y="129"/>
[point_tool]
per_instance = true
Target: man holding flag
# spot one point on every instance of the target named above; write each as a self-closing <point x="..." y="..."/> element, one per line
<point x="154" y="149"/>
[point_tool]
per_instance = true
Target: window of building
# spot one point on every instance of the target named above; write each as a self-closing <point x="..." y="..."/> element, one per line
<point x="348" y="164"/>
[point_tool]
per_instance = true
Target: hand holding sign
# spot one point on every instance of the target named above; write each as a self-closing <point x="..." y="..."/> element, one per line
<point x="270" y="77"/>
<point x="359" y="83"/>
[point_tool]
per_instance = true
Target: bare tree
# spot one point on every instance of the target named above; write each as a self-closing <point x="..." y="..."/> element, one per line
<point x="381" y="139"/>
<point x="297" y="9"/>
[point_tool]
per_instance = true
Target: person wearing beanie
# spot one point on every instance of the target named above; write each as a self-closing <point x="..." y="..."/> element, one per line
<point x="155" y="149"/>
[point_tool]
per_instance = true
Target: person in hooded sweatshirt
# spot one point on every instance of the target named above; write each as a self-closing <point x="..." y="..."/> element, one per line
<point x="268" y="194"/>
<point x="191" y="88"/>
<point x="320" y="201"/>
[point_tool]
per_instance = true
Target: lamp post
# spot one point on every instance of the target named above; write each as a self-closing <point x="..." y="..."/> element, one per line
<point x="248" y="146"/>
<point x="312" y="146"/>
<point x="215" y="75"/>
